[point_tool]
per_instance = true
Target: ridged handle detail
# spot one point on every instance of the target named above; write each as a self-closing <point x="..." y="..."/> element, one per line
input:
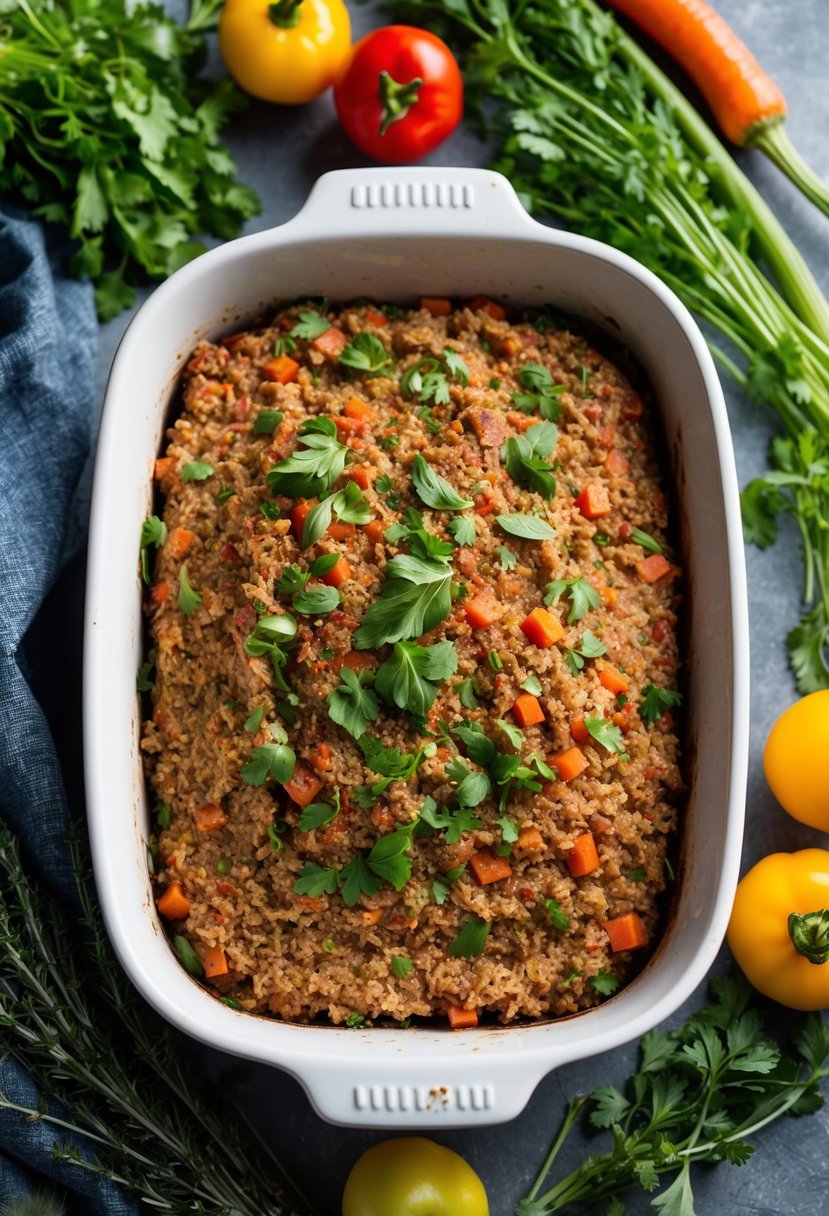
<point x="451" y="195"/>
<point x="437" y="1099"/>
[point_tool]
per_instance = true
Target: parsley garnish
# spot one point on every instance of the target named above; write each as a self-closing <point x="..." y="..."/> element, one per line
<point x="291" y="580"/>
<point x="656" y="701"/>
<point x="527" y="527"/>
<point x="542" y="392"/>
<point x="388" y="861"/>
<point x="507" y="558"/>
<point x="604" y="984"/>
<point x="580" y="591"/>
<point x="318" y="814"/>
<point x="284" y="346"/>
<point x="401" y="966"/>
<point x="435" y="490"/>
<point x="316" y="602"/>
<point x="605" y="733"/>
<point x="276" y="760"/>
<point x="415" y="597"/>
<point x="266" y="422"/>
<point x="269" y="636"/>
<point x="196" y="470"/>
<point x="153" y="532"/>
<point x="471" y="941"/>
<point x="349" y="505"/>
<point x="310" y="325"/>
<point x="558" y="919"/>
<point x="367" y="354"/>
<point x="351" y="705"/>
<point x="453" y="824"/>
<point x="589" y="647"/>
<point x="314" y="881"/>
<point x="645" y="540"/>
<point x="310" y="471"/>
<point x="255" y="720"/>
<point x="143" y="681"/>
<point x="390" y="763"/>
<point x="532" y="685"/>
<point x="409" y="678"/>
<point x="466" y="692"/>
<point x="188" y="598"/>
<point x="428" y="379"/>
<point x="269" y="510"/>
<point x="462" y="530"/>
<point x="513" y="732"/>
<point x="187" y="956"/>
<point x="225" y="495"/>
<point x="524" y="458"/>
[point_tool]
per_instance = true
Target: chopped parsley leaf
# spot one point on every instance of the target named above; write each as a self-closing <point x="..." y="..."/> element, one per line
<point x="524" y="455"/>
<point x="196" y="470"/>
<point x="188" y="598"/>
<point x="434" y="490"/>
<point x="351" y="705"/>
<point x="471" y="941"/>
<point x="401" y="966"/>
<point x="580" y="591"/>
<point x="409" y="678"/>
<point x="266" y="422"/>
<point x="365" y="353"/>
<point x="656" y="701"/>
<point x="311" y="470"/>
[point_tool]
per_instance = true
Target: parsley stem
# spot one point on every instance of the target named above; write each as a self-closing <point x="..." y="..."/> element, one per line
<point x="572" y="1113"/>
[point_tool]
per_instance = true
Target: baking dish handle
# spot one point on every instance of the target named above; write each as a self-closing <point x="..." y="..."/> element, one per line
<point x="395" y="201"/>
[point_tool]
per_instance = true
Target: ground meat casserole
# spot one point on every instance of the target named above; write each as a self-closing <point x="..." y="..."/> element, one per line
<point x="413" y="668"/>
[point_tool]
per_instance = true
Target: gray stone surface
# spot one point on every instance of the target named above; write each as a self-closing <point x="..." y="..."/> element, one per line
<point x="281" y="152"/>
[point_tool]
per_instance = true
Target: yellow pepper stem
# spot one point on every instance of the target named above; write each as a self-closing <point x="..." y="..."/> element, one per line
<point x="285" y="13"/>
<point x="396" y="98"/>
<point x="809" y="932"/>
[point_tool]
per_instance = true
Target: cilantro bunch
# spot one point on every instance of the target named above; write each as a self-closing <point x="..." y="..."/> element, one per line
<point x="107" y="128"/>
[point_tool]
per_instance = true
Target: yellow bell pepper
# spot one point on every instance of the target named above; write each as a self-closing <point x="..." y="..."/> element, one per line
<point x="289" y="51"/>
<point x="796" y="760"/>
<point x="413" y="1176"/>
<point x="779" y="928"/>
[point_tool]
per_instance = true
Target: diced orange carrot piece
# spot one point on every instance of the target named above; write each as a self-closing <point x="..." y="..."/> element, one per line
<point x="653" y="567"/>
<point x="527" y="710"/>
<point x="360" y="475"/>
<point x="320" y="757"/>
<point x="379" y="319"/>
<point x="299" y="513"/>
<point x="488" y="868"/>
<point x="594" y="501"/>
<point x="438" y="306"/>
<point x="282" y="370"/>
<point x="160" y="593"/>
<point x="482" y="610"/>
<point x="173" y="903"/>
<point x="541" y="628"/>
<point x="579" y="731"/>
<point x="341" y="531"/>
<point x="529" y="840"/>
<point x="304" y="785"/>
<point x="569" y="764"/>
<point x="461" y="1019"/>
<point x="616" y="463"/>
<point x="612" y="679"/>
<point x="339" y="573"/>
<point x="348" y="426"/>
<point x="179" y="541"/>
<point x="583" y="857"/>
<point x="484" y="304"/>
<point x="163" y="467"/>
<point x="355" y="408"/>
<point x="332" y="343"/>
<point x="374" y="531"/>
<point x="626" y="932"/>
<point x="210" y="817"/>
<point x="214" y="962"/>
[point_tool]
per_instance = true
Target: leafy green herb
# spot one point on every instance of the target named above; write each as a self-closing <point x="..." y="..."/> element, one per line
<point x="284" y="345"/>
<point x="273" y="838"/>
<point x="348" y="504"/>
<point x="144" y="681"/>
<point x="311" y="325"/>
<point x="524" y="455"/>
<point x="316" y="602"/>
<point x="637" y="875"/>
<point x="495" y="661"/>
<point x="645" y="540"/>
<point x="225" y="495"/>
<point x="513" y="732"/>
<point x="542" y="393"/>
<point x="269" y="510"/>
<point x="428" y="379"/>
<point x="163" y="814"/>
<point x="509" y="829"/>
<point x="153" y="532"/>
<point x="318" y="814"/>
<point x="453" y="824"/>
<point x="656" y="701"/>
<point x="471" y="941"/>
<point x="266" y="422"/>
<point x="589" y="647"/>
<point x="255" y="720"/>
<point x="187" y="956"/>
<point x="582" y="595"/>
<point x="322" y="565"/>
<point x="291" y="580"/>
<point x="352" y="705"/>
<point x="314" y="880"/>
<point x="310" y="471"/>
<point x="472" y="787"/>
<point x="188" y="598"/>
<point x="507" y="558"/>
<point x="574" y="975"/>
<point x="435" y="490"/>
<point x="409" y="678"/>
<point x="462" y="530"/>
<point x="390" y="763"/>
<point x="415" y="597"/>
<point x="527" y="527"/>
<point x="368" y="355"/>
<point x="558" y="919"/>
<point x="275" y="760"/>
<point x="389" y="857"/>
<point x="532" y="685"/>
<point x="401" y="966"/>
<point x="355" y="1020"/>
<point x="196" y="470"/>
<point x="269" y="637"/>
<point x="606" y="734"/>
<point x="466" y="692"/>
<point x="383" y="484"/>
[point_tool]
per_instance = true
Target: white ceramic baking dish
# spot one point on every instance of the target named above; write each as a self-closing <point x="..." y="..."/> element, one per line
<point x="394" y="234"/>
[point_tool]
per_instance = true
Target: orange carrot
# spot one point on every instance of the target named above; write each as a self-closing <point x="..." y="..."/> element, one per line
<point x="461" y="1019"/>
<point x="653" y="567"/>
<point x="612" y="679"/>
<point x="360" y="410"/>
<point x="163" y="468"/>
<point x="626" y="932"/>
<point x="583" y="857"/>
<point x="616" y="463"/>
<point x="341" y="531"/>
<point x="482" y="610"/>
<point x="179" y="541"/>
<point x="360" y="475"/>
<point x="579" y="731"/>
<point x="378" y="319"/>
<point x="160" y="593"/>
<point x="594" y="501"/>
<point x="488" y="868"/>
<point x="438" y="306"/>
<point x="374" y="531"/>
<point x="173" y="903"/>
<point x="332" y="343"/>
<point x="348" y="426"/>
<point x="209" y="818"/>
<point x="214" y="962"/>
<point x="282" y="370"/>
<point x="529" y="840"/>
<point x="321" y="756"/>
<point x="484" y="304"/>
<point x="527" y="710"/>
<point x="541" y="628"/>
<point x="568" y="764"/>
<point x="299" y="513"/>
<point x="339" y="573"/>
<point x="304" y="785"/>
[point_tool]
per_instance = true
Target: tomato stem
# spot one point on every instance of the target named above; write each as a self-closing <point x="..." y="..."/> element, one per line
<point x="396" y="98"/>
<point x="285" y="13"/>
<point x="809" y="932"/>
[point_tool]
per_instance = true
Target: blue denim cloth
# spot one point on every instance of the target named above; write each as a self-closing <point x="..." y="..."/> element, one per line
<point x="48" y="347"/>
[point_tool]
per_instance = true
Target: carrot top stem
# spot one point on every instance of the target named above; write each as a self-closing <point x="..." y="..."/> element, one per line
<point x="773" y="139"/>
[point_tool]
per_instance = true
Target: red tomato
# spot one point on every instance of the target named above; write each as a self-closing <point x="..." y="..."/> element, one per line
<point x="401" y="95"/>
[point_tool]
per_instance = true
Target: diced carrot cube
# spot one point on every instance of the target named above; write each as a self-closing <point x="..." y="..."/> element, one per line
<point x="484" y="304"/>
<point x="214" y="962"/>
<point x="653" y="567"/>
<point x="438" y="306"/>
<point x="210" y="818"/>
<point x="348" y="426"/>
<point x="374" y="530"/>
<point x="304" y="785"/>
<point x="355" y="408"/>
<point x="529" y="840"/>
<point x="371" y="916"/>
<point x="341" y="531"/>
<point x="616" y="463"/>
<point x="461" y="1019"/>
<point x="482" y="610"/>
<point x="282" y="370"/>
<point x="626" y="932"/>
<point x="321" y="756"/>
<point x="163" y="468"/>
<point x="299" y="513"/>
<point x="332" y="343"/>
<point x="160" y="593"/>
<point x="527" y="710"/>
<point x="173" y="903"/>
<point x="594" y="501"/>
<point x="179" y="541"/>
<point x="488" y="868"/>
<point x="339" y="573"/>
<point x="485" y="507"/>
<point x="360" y="475"/>
<point x="612" y="679"/>
<point x="583" y="858"/>
<point x="379" y="319"/>
<point x="579" y="731"/>
<point x="569" y="764"/>
<point x="541" y="628"/>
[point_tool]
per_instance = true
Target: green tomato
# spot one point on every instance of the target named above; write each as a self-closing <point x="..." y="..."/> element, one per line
<point x="413" y="1176"/>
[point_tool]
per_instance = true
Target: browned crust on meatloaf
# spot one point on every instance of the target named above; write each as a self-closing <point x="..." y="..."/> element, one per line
<point x="297" y="957"/>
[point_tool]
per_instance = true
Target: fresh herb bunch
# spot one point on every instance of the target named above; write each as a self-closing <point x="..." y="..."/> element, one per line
<point x="592" y="131"/>
<point x="107" y="128"/>
<point x="700" y="1091"/>
<point x="82" y="1033"/>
